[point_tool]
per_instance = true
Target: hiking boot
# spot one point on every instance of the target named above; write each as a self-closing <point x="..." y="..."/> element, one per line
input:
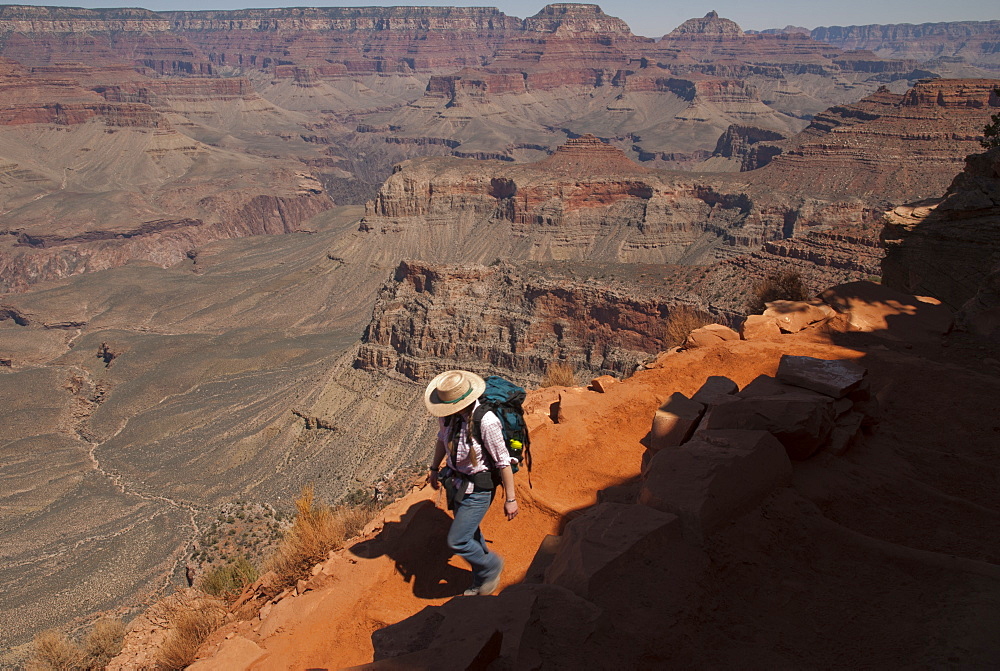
<point x="491" y="584"/>
<point x="472" y="591"/>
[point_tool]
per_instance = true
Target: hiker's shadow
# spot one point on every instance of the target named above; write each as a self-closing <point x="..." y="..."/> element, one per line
<point x="418" y="543"/>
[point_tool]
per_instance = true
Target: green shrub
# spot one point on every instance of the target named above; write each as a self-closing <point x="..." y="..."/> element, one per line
<point x="229" y="580"/>
<point x="781" y="286"/>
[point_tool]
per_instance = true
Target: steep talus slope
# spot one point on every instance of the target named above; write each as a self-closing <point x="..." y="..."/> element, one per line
<point x="847" y="544"/>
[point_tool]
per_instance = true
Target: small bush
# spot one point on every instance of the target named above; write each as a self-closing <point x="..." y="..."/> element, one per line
<point x="104" y="642"/>
<point x="783" y="286"/>
<point x="229" y="580"/>
<point x="56" y="652"/>
<point x="681" y="321"/>
<point x="190" y="627"/>
<point x="559" y="374"/>
<point x="316" y="531"/>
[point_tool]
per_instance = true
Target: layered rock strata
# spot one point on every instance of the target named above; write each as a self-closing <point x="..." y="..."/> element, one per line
<point x="571" y="68"/>
<point x="897" y="148"/>
<point x="514" y="319"/>
<point x="97" y="174"/>
<point x="972" y="41"/>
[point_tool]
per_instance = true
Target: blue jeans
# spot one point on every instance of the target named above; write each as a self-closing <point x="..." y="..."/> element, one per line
<point x="465" y="538"/>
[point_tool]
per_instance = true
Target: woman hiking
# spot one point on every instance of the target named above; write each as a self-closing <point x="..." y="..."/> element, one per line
<point x="468" y="477"/>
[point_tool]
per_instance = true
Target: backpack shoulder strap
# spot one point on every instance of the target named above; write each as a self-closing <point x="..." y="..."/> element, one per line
<point x="477" y="429"/>
<point x="477" y="420"/>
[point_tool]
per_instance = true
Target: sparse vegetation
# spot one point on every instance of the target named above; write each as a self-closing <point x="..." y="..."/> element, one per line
<point x="558" y="374"/>
<point x="681" y="321"/>
<point x="991" y="133"/>
<point x="229" y="580"/>
<point x="54" y="651"/>
<point x="190" y="627"/>
<point x="316" y="531"/>
<point x="250" y="531"/>
<point x="781" y="286"/>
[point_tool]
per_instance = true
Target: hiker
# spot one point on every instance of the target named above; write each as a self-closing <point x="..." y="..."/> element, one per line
<point x="468" y="479"/>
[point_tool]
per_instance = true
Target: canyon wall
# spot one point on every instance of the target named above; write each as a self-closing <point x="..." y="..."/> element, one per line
<point x="96" y="173"/>
<point x="569" y="69"/>
<point x="974" y="41"/>
<point x="891" y="147"/>
<point x="517" y="320"/>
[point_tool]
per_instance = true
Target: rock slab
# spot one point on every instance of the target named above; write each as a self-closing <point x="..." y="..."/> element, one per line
<point x="675" y="421"/>
<point x="715" y="478"/>
<point x="834" y="378"/>
<point x="596" y="540"/>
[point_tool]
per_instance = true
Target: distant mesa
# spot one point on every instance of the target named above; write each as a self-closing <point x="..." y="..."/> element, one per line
<point x="571" y="17"/>
<point x="588" y="153"/>
<point x="710" y="24"/>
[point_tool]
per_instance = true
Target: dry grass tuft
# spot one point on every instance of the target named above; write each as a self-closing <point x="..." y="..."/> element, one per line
<point x="229" y="580"/>
<point x="559" y="374"/>
<point x="782" y="286"/>
<point x="681" y="321"/>
<point x="57" y="652"/>
<point x="104" y="642"/>
<point x="317" y="530"/>
<point x="190" y="627"/>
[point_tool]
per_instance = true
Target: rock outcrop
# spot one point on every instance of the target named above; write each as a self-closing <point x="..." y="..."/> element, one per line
<point x="875" y="146"/>
<point x="513" y="319"/>
<point x="569" y="69"/>
<point x="972" y="41"/>
<point x="117" y="181"/>
<point x="950" y="249"/>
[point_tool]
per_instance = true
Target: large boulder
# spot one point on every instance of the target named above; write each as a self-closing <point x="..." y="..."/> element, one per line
<point x="709" y="336"/>
<point x="674" y="421"/>
<point x="714" y="478"/>
<point x="760" y="327"/>
<point x="833" y="378"/>
<point x="715" y="389"/>
<point x="794" y="316"/>
<point x="801" y="420"/>
<point x="597" y="541"/>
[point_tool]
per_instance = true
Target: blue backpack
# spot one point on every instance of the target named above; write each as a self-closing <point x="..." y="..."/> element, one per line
<point x="504" y="399"/>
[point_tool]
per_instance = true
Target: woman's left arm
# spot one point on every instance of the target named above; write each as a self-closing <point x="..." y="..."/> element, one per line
<point x="509" y="495"/>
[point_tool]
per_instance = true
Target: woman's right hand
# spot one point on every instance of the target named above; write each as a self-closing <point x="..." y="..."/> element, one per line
<point x="433" y="479"/>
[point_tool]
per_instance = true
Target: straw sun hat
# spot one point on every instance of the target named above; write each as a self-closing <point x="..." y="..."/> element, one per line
<point x="451" y="391"/>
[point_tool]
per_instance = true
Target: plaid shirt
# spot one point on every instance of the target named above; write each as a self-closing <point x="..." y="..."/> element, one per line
<point x="462" y="461"/>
